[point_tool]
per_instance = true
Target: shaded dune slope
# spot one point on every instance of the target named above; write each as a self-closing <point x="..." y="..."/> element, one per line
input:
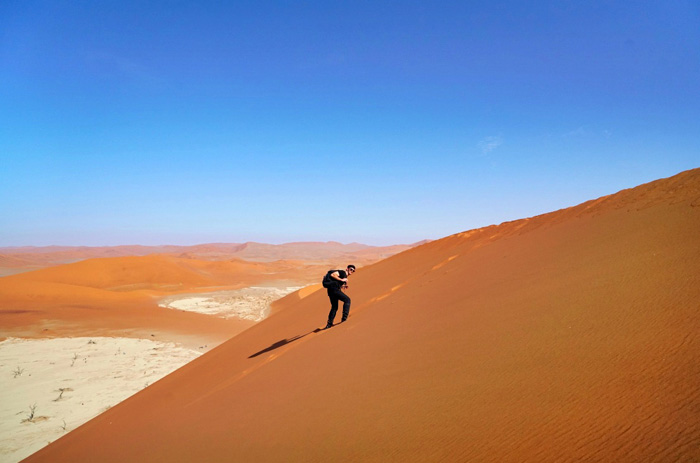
<point x="570" y="336"/>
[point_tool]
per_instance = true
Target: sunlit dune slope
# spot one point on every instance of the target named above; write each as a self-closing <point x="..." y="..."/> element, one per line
<point x="567" y="337"/>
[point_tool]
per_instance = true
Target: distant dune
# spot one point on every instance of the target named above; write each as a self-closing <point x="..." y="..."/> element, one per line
<point x="119" y="295"/>
<point x="117" y="292"/>
<point x="153" y="271"/>
<point x="571" y="336"/>
<point x="17" y="259"/>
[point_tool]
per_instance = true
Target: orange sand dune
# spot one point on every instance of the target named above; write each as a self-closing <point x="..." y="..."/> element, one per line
<point x="33" y="309"/>
<point x="159" y="272"/>
<point x="113" y="273"/>
<point x="571" y="336"/>
<point x="111" y="295"/>
<point x="115" y="294"/>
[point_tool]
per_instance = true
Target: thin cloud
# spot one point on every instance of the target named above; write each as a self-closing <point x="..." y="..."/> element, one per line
<point x="488" y="144"/>
<point x="579" y="131"/>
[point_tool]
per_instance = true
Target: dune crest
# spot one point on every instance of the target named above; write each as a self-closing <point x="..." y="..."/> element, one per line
<point x="570" y="336"/>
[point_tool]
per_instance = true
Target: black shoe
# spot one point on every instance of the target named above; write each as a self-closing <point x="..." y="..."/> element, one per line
<point x="328" y="326"/>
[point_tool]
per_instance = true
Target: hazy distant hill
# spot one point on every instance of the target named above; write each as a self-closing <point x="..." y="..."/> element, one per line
<point x="30" y="258"/>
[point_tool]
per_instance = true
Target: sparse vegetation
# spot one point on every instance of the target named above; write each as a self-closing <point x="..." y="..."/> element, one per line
<point x="18" y="372"/>
<point x="61" y="391"/>
<point x="75" y="357"/>
<point x="64" y="426"/>
<point x="32" y="412"/>
<point x="92" y="342"/>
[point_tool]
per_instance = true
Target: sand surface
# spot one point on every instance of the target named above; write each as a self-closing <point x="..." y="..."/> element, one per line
<point x="70" y="381"/>
<point x="252" y="303"/>
<point x="114" y="301"/>
<point x="566" y="337"/>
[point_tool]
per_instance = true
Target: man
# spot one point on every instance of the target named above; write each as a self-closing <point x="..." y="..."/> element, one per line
<point x="337" y="281"/>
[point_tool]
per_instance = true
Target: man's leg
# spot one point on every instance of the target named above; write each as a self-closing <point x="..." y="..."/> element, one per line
<point x="334" y="307"/>
<point x="346" y="305"/>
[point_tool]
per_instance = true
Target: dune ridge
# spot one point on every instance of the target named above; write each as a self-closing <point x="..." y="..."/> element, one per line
<point x="570" y="336"/>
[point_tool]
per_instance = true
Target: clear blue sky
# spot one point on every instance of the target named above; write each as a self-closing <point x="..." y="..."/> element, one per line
<point x="133" y="122"/>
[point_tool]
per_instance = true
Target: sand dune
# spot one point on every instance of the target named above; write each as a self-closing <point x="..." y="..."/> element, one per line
<point x="119" y="296"/>
<point x="570" y="336"/>
<point x="122" y="300"/>
<point x="116" y="295"/>
<point x="11" y="264"/>
<point x="144" y="272"/>
<point x="157" y="298"/>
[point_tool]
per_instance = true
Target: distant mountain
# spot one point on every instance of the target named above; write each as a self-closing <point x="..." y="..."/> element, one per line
<point x="329" y="252"/>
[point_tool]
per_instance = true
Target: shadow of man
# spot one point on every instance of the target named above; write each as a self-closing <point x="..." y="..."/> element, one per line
<point x="283" y="342"/>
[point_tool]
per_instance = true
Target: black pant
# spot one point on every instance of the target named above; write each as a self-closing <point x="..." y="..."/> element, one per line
<point x="335" y="295"/>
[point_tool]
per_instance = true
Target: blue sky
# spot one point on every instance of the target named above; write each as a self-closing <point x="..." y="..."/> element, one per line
<point x="132" y="122"/>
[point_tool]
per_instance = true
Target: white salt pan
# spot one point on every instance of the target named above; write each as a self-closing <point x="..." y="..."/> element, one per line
<point x="252" y="303"/>
<point x="72" y="380"/>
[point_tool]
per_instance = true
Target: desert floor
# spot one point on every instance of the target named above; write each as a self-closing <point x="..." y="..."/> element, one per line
<point x="49" y="387"/>
<point x="68" y="381"/>
<point x="252" y="303"/>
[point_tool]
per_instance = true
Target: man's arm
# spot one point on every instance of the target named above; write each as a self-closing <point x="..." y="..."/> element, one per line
<point x="336" y="276"/>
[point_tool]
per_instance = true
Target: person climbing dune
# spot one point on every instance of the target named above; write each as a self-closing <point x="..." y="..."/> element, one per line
<point x="335" y="281"/>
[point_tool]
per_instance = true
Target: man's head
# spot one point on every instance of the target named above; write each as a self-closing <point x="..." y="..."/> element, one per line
<point x="351" y="269"/>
